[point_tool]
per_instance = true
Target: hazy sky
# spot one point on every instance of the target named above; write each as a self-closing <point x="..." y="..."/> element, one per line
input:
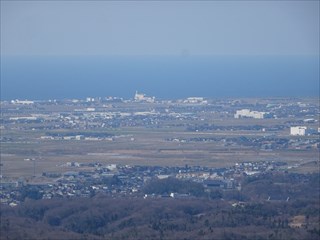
<point x="159" y="27"/>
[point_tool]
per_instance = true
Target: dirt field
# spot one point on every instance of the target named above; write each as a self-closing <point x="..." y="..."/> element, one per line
<point x="140" y="148"/>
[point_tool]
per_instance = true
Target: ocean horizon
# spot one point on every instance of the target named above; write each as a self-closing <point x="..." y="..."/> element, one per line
<point x="165" y="77"/>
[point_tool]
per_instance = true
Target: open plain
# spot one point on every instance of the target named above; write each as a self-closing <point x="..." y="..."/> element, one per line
<point x="44" y="136"/>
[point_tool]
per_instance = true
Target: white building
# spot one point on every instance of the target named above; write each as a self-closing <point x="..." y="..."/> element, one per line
<point x="246" y="113"/>
<point x="196" y="100"/>
<point x="89" y="99"/>
<point x="140" y="97"/>
<point x="112" y="167"/>
<point x="179" y="195"/>
<point x="24" y="102"/>
<point x="298" y="131"/>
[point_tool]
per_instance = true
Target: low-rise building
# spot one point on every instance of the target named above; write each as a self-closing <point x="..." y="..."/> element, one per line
<point x="140" y="97"/>
<point x="247" y="113"/>
<point x="299" y="131"/>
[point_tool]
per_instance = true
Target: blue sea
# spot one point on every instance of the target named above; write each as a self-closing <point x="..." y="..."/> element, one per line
<point x="165" y="77"/>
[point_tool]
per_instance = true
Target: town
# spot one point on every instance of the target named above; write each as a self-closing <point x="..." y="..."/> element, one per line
<point x="251" y="157"/>
<point x="88" y="180"/>
<point x="79" y="148"/>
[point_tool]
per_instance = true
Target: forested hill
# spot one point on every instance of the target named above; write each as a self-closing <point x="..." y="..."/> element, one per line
<point x="106" y="217"/>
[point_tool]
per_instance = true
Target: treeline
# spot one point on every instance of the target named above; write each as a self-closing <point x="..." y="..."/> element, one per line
<point x="212" y="127"/>
<point x="103" y="217"/>
<point x="280" y="186"/>
<point x="275" y="186"/>
<point x="173" y="185"/>
<point x="85" y="134"/>
<point x="259" y="211"/>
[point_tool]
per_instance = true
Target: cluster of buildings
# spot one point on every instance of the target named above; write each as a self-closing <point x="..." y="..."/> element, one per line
<point x="264" y="143"/>
<point x="112" y="112"/>
<point x="89" y="179"/>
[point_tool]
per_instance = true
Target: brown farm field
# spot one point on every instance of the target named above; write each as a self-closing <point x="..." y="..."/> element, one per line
<point x="141" y="146"/>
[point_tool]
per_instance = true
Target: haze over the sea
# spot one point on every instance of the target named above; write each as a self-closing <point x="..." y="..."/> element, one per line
<point x="160" y="76"/>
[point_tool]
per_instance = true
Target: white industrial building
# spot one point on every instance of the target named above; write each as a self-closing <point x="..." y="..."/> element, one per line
<point x="299" y="131"/>
<point x="246" y="113"/>
<point x="195" y="100"/>
<point x="140" y="97"/>
<point x="24" y="102"/>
